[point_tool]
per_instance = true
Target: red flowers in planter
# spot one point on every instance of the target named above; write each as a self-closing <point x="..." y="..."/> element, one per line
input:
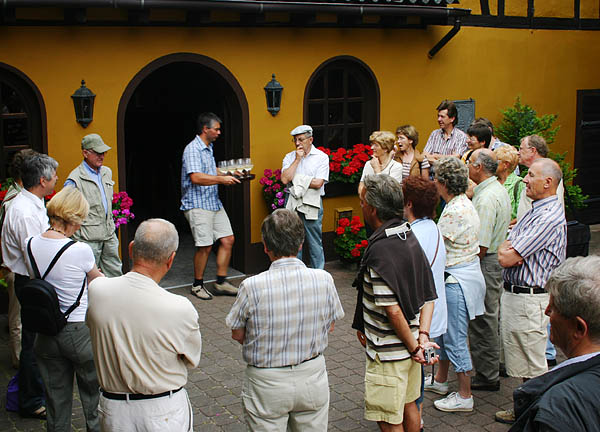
<point x="351" y="239"/>
<point x="346" y="165"/>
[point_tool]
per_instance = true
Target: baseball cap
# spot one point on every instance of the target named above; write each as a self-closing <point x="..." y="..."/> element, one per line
<point x="94" y="142"/>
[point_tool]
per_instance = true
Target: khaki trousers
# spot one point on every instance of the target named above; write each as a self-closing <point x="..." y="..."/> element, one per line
<point x="106" y="254"/>
<point x="484" y="339"/>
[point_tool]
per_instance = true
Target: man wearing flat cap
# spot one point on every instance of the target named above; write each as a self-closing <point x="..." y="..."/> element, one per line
<point x="94" y="180"/>
<point x="306" y="170"/>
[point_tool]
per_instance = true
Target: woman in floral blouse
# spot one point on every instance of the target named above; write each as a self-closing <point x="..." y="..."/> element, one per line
<point x="465" y="286"/>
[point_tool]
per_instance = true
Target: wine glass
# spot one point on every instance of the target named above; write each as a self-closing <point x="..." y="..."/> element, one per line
<point x="248" y="165"/>
<point x="222" y="166"/>
<point x="232" y="166"/>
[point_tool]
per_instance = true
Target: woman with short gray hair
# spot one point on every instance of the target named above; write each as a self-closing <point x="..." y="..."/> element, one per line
<point x="465" y="286"/>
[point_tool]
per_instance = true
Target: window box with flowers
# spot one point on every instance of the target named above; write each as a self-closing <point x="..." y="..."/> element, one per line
<point x="345" y="169"/>
<point x="351" y="239"/>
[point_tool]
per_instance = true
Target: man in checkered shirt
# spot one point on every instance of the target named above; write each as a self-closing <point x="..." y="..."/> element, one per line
<point x="448" y="140"/>
<point x="282" y="317"/>
<point x="203" y="209"/>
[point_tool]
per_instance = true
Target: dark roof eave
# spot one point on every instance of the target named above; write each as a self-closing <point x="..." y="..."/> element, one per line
<point x="252" y="6"/>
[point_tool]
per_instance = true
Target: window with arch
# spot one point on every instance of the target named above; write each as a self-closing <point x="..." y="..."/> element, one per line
<point x="341" y="103"/>
<point x="20" y="118"/>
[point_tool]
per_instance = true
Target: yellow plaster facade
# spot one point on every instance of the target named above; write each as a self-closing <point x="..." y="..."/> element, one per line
<point x="492" y="66"/>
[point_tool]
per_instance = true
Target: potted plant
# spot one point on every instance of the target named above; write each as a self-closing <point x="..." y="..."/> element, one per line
<point x="521" y="120"/>
<point x="273" y="189"/>
<point x="121" y="208"/>
<point x="351" y="239"/>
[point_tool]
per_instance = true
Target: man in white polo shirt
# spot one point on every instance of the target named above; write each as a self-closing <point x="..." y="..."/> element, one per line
<point x="307" y="168"/>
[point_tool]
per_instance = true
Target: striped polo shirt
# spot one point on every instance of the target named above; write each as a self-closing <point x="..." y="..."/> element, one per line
<point x="198" y="158"/>
<point x="540" y="237"/>
<point x="438" y="144"/>
<point x="381" y="336"/>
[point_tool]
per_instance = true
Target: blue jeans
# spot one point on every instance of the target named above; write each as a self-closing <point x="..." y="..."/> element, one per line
<point x="313" y="232"/>
<point x="453" y="343"/>
<point x="31" y="388"/>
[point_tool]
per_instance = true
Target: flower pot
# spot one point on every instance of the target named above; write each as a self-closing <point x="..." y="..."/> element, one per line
<point x="335" y="189"/>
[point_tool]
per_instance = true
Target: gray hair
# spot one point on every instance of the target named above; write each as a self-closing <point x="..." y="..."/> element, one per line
<point x="538" y="143"/>
<point x="487" y="160"/>
<point x="155" y="240"/>
<point x="384" y="193"/>
<point x="549" y="168"/>
<point x="307" y="134"/>
<point x="36" y="166"/>
<point x="453" y="174"/>
<point x="283" y="233"/>
<point x="575" y="290"/>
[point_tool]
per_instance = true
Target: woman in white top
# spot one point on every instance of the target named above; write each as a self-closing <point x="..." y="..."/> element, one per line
<point x="68" y="353"/>
<point x="382" y="144"/>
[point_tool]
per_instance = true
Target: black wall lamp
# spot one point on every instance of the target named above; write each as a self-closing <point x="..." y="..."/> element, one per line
<point x="83" y="100"/>
<point x="273" y="91"/>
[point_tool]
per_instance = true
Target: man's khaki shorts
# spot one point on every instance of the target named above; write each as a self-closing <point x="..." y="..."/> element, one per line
<point x="388" y="387"/>
<point x="208" y="226"/>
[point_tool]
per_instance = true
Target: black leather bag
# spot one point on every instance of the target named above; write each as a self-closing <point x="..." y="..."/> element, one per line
<point x="40" y="309"/>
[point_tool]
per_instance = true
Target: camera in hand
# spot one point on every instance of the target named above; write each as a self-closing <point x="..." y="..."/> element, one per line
<point x="429" y="354"/>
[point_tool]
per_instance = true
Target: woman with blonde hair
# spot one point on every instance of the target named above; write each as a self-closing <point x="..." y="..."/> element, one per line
<point x="508" y="159"/>
<point x="69" y="353"/>
<point x="413" y="162"/>
<point x="382" y="144"/>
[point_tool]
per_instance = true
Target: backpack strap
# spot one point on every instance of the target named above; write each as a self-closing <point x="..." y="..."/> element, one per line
<point x="76" y="304"/>
<point x="56" y="257"/>
<point x="516" y="189"/>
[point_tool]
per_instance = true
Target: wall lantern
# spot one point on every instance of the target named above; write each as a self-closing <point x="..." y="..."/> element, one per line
<point x="83" y="100"/>
<point x="273" y="92"/>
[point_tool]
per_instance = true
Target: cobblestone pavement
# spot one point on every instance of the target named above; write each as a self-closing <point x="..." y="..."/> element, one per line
<point x="214" y="388"/>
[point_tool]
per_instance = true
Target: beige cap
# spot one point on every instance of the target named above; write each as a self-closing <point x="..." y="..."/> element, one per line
<point x="94" y="142"/>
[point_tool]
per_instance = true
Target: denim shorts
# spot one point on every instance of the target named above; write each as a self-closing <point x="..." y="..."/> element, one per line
<point x="453" y="343"/>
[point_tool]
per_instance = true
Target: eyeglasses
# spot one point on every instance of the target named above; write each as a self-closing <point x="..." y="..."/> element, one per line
<point x="300" y="140"/>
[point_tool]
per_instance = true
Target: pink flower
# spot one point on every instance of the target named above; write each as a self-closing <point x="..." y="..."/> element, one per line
<point x="268" y="173"/>
<point x="281" y="201"/>
<point x="279" y="195"/>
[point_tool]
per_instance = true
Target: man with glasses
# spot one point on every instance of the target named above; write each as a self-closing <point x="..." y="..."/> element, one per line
<point x="94" y="180"/>
<point x="307" y="168"/>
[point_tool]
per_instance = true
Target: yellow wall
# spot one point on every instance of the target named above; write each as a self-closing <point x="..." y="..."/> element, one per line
<point x="492" y="66"/>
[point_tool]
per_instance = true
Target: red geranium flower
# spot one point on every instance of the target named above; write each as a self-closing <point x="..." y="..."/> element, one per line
<point x="343" y="222"/>
<point x="340" y="230"/>
<point x="355" y="252"/>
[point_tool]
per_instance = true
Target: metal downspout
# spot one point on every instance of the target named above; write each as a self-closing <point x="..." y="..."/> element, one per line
<point x="438" y="46"/>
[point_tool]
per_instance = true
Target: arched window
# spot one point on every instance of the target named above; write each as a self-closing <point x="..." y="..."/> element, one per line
<point x="20" y="116"/>
<point x="341" y="103"/>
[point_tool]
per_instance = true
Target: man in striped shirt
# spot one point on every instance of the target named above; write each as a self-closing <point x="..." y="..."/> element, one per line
<point x="397" y="303"/>
<point x="282" y="317"/>
<point x="448" y="140"/>
<point x="535" y="246"/>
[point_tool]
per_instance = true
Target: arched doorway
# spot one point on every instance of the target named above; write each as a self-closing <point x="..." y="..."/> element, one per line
<point x="156" y="120"/>
<point x="22" y="116"/>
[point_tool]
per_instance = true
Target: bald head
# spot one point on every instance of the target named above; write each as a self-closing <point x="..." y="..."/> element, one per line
<point x="155" y="241"/>
<point x="549" y="168"/>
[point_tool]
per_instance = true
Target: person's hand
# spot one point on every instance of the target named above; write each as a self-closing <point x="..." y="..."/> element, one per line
<point x="361" y="338"/>
<point x="229" y="180"/>
<point x="299" y="153"/>
<point x="420" y="358"/>
<point x="376" y="165"/>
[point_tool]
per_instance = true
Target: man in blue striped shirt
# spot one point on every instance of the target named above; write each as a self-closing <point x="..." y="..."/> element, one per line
<point x="535" y="246"/>
<point x="203" y="209"/>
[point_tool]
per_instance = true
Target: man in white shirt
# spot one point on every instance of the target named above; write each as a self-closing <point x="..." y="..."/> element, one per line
<point x="144" y="338"/>
<point x="26" y="217"/>
<point x="310" y="162"/>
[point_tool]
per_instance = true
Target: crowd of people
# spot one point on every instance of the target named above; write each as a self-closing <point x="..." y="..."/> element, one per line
<point x="485" y="288"/>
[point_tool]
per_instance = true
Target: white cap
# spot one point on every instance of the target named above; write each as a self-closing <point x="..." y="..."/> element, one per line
<point x="301" y="130"/>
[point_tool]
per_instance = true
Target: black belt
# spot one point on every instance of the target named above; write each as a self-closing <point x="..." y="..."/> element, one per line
<point x="274" y="367"/>
<point x="134" y="396"/>
<point x="518" y="289"/>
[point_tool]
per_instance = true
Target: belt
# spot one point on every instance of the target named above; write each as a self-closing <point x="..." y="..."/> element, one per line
<point x="275" y="367"/>
<point x="134" y="396"/>
<point x="517" y="289"/>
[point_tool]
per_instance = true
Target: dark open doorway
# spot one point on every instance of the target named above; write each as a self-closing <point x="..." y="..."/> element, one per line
<point x="157" y="120"/>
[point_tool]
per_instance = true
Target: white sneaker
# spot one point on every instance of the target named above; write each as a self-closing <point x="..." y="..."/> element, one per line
<point x="432" y="385"/>
<point x="201" y="292"/>
<point x="454" y="403"/>
<point x="223" y="289"/>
